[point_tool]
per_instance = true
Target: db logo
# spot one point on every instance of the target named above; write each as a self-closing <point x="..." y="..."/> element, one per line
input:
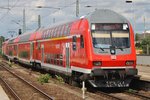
<point x="113" y="57"/>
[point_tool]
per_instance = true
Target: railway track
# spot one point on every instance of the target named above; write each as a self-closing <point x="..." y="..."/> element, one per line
<point x="129" y="95"/>
<point x="120" y="94"/>
<point x="124" y="95"/>
<point x="11" y="90"/>
<point x="143" y="97"/>
<point x="108" y="96"/>
<point x="26" y="86"/>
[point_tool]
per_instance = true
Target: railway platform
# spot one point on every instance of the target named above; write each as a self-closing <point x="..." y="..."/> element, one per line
<point x="144" y="72"/>
<point x="3" y="95"/>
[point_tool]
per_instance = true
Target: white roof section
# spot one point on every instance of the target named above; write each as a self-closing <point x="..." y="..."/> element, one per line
<point x="106" y="16"/>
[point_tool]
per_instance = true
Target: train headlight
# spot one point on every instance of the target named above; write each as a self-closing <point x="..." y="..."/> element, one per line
<point x="112" y="51"/>
<point x="97" y="63"/>
<point x="129" y="62"/>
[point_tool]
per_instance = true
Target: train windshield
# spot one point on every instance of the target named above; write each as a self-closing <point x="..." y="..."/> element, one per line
<point x="106" y="35"/>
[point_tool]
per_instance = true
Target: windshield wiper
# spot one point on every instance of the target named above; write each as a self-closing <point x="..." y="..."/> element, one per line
<point x="120" y="48"/>
<point x="99" y="48"/>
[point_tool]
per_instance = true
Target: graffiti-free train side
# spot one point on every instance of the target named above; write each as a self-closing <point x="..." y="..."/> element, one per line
<point x="97" y="48"/>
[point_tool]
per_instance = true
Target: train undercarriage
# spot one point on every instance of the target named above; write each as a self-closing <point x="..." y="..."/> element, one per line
<point x="112" y="77"/>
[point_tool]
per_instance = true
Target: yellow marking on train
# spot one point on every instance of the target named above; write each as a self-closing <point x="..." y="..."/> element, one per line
<point x="59" y="38"/>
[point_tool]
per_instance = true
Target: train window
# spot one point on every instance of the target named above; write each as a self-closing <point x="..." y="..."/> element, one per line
<point x="69" y="26"/>
<point x="74" y="43"/>
<point x="48" y="58"/>
<point x="15" y="47"/>
<point x="49" y="33"/>
<point x="43" y="35"/>
<point x="61" y="59"/>
<point x="62" y="30"/>
<point x="54" y="32"/>
<point x="58" y="31"/>
<point x="65" y="30"/>
<point x="81" y="41"/>
<point x="39" y="46"/>
<point x="55" y="59"/>
<point x="51" y="59"/>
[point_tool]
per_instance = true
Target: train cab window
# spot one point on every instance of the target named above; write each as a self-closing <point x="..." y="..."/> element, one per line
<point x="81" y="41"/>
<point x="74" y="45"/>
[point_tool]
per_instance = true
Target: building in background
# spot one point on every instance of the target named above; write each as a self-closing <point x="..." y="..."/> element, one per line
<point x="143" y="35"/>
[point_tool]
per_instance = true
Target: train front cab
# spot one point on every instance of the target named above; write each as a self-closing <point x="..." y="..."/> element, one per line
<point x="114" y="58"/>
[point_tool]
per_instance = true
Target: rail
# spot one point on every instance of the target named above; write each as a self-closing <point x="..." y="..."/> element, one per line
<point x="15" y="95"/>
<point x="137" y="95"/>
<point x="108" y="95"/>
<point x="25" y="81"/>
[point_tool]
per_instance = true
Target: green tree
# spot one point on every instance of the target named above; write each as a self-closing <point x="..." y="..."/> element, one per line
<point x="145" y="43"/>
<point x="137" y="44"/>
<point x="136" y="37"/>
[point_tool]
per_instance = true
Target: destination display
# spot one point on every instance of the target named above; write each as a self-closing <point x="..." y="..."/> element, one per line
<point x="107" y="27"/>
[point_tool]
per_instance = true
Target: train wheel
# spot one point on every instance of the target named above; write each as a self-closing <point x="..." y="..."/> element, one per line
<point x="33" y="65"/>
<point x="72" y="82"/>
<point x="38" y="66"/>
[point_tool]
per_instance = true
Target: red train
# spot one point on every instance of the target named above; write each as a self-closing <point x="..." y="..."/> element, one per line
<point x="98" y="48"/>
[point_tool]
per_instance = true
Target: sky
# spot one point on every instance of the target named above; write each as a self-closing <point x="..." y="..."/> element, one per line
<point x="55" y="11"/>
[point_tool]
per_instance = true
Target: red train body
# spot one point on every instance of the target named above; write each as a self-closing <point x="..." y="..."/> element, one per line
<point x="98" y="48"/>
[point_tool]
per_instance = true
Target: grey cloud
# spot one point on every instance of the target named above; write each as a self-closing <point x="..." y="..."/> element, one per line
<point x="67" y="11"/>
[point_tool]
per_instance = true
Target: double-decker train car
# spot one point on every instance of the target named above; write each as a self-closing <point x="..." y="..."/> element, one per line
<point x="98" y="48"/>
<point x="4" y="44"/>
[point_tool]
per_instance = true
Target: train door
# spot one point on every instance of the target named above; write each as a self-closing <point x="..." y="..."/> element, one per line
<point x="67" y="56"/>
<point x="31" y="50"/>
<point x="42" y="53"/>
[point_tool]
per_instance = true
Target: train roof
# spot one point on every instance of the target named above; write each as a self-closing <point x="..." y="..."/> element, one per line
<point x="98" y="16"/>
<point x="25" y="37"/>
<point x="11" y="40"/>
<point x="105" y="16"/>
